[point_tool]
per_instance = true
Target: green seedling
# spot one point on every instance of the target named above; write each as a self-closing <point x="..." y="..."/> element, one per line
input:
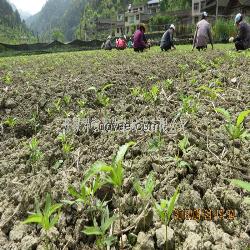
<point x="136" y="92"/>
<point x="179" y="162"/>
<point x="101" y="97"/>
<point x="101" y="232"/>
<point x="67" y="99"/>
<point x="81" y="103"/>
<point x="146" y="192"/>
<point x="156" y="143"/>
<point x="82" y="113"/>
<point x="58" y="104"/>
<point x="165" y="209"/>
<point x="86" y="192"/>
<point x="8" y="79"/>
<point x="236" y="130"/>
<point x="189" y="105"/>
<point x="62" y="137"/>
<point x="35" y="152"/>
<point x="152" y="94"/>
<point x="244" y="185"/>
<point x="34" y="121"/>
<point x="169" y="84"/>
<point x="10" y="122"/>
<point x="67" y="148"/>
<point x="183" y="68"/>
<point x="212" y="93"/>
<point x="184" y="144"/>
<point x="47" y="218"/>
<point x="114" y="174"/>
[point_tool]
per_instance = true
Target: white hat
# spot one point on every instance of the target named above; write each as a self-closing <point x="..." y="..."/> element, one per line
<point x="204" y="14"/>
<point x="172" y="27"/>
<point x="238" y="18"/>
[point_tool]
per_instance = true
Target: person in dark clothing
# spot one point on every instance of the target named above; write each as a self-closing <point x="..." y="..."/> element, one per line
<point x="139" y="43"/>
<point x="242" y="41"/>
<point x="167" y="40"/>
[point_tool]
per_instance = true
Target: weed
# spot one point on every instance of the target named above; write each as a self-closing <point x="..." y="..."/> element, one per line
<point x="165" y="210"/>
<point x="81" y="103"/>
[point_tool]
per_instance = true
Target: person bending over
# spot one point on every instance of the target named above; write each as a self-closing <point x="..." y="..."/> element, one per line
<point x="203" y="33"/>
<point x="139" y="43"/>
<point x="242" y="41"/>
<point x="167" y="40"/>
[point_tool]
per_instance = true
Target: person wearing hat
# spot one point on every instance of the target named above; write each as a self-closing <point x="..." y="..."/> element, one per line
<point x="203" y="33"/>
<point x="242" y="41"/>
<point x="108" y="45"/>
<point x="167" y="40"/>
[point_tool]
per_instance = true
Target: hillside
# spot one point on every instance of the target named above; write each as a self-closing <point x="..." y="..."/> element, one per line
<point x="62" y="15"/>
<point x="67" y="16"/>
<point x="12" y="28"/>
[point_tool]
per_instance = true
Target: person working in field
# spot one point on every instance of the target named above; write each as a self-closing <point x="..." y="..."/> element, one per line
<point x="167" y="40"/>
<point x="121" y="44"/>
<point x="242" y="41"/>
<point x="203" y="33"/>
<point x="108" y="45"/>
<point x="139" y="39"/>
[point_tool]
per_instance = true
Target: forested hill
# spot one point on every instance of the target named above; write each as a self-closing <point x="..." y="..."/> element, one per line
<point x="61" y="19"/>
<point x="9" y="17"/>
<point x="12" y="28"/>
<point x="57" y="16"/>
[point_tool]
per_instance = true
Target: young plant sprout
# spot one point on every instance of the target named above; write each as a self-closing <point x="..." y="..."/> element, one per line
<point x="35" y="152"/>
<point x="235" y="130"/>
<point x="152" y="94"/>
<point x="103" y="239"/>
<point x="184" y="144"/>
<point x="67" y="147"/>
<point x="58" y="105"/>
<point x="67" y="99"/>
<point x="8" y="79"/>
<point x="101" y="97"/>
<point x="244" y="185"/>
<point x="47" y="218"/>
<point x="211" y="92"/>
<point x="114" y="175"/>
<point x="136" y="92"/>
<point x="165" y="209"/>
<point x="81" y="103"/>
<point x="169" y="83"/>
<point x="179" y="162"/>
<point x="10" y="122"/>
<point x="156" y="143"/>
<point x="189" y="105"/>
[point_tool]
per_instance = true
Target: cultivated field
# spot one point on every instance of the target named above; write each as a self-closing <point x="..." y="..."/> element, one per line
<point x="174" y="106"/>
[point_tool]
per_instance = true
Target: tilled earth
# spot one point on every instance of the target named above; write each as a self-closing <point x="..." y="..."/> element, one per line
<point x="30" y="88"/>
